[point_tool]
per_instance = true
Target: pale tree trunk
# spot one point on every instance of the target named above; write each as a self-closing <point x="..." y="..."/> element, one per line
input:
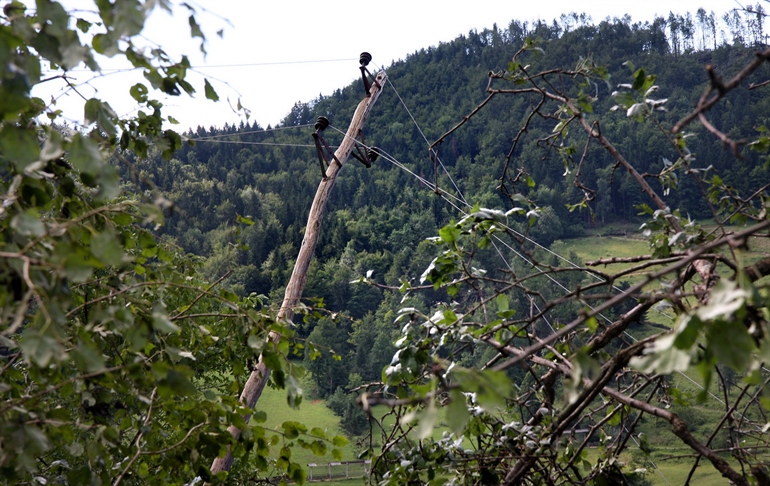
<point x="252" y="390"/>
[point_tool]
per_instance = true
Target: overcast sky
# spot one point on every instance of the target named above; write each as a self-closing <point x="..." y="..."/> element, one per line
<point x="293" y="50"/>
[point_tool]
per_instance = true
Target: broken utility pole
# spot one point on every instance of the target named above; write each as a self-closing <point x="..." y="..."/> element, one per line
<point x="252" y="390"/>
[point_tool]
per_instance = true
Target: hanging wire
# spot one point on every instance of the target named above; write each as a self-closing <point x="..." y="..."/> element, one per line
<point x="462" y="201"/>
<point x="208" y="66"/>
<point x="431" y="186"/>
<point x="550" y="277"/>
<point x="235" y="142"/>
<point x="433" y="153"/>
<point x="216" y="138"/>
<point x="277" y="129"/>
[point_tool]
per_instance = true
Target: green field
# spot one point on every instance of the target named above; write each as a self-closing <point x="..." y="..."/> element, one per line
<point x="312" y="413"/>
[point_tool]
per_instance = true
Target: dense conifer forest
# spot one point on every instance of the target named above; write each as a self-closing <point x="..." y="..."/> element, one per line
<point x="380" y="217"/>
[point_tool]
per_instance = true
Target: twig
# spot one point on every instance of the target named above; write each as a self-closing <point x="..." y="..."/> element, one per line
<point x="734" y="145"/>
<point x="202" y="294"/>
<point x="166" y="449"/>
<point x="706" y="104"/>
<point x="138" y="439"/>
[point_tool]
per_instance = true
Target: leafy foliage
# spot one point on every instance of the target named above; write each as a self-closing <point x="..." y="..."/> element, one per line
<point x="118" y="360"/>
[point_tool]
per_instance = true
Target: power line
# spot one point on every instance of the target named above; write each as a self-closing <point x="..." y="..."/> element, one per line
<point x="463" y="201"/>
<point x="275" y="63"/>
<point x="432" y="152"/>
<point x="550" y="277"/>
<point x="235" y="142"/>
<point x="210" y="66"/>
<point x="495" y="237"/>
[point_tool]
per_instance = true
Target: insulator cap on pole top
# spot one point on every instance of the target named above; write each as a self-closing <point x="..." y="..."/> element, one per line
<point x="322" y="123"/>
<point x="364" y="60"/>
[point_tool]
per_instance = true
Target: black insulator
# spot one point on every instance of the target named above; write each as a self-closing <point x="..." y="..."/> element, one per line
<point x="365" y="58"/>
<point x="372" y="153"/>
<point x="322" y="123"/>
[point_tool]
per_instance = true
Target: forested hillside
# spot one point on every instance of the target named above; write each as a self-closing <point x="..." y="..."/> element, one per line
<point x="380" y="216"/>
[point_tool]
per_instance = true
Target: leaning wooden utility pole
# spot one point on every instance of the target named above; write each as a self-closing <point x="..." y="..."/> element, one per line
<point x="252" y="390"/>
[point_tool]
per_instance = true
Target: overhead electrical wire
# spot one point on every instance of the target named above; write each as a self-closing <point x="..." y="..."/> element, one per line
<point x="207" y="66"/>
<point x="464" y="201"/>
<point x="444" y="195"/>
<point x="216" y="138"/>
<point x="527" y="238"/>
<point x="419" y="129"/>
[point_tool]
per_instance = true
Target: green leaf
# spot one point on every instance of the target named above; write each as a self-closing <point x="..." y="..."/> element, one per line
<point x="624" y="99"/>
<point x="83" y="25"/>
<point x="88" y="358"/>
<point x="493" y="387"/>
<point x="28" y="223"/>
<point x="296" y="473"/>
<point x="449" y="317"/>
<point x="426" y="420"/>
<point x="85" y="156"/>
<point x="731" y="344"/>
<point x="99" y="112"/>
<point x="79" y="266"/>
<point x="294" y="392"/>
<point x="139" y="92"/>
<point x="164" y="255"/>
<point x="154" y="77"/>
<point x="662" y="357"/>
<point x="195" y="29"/>
<point x="292" y="429"/>
<point x="592" y="324"/>
<point x="210" y="92"/>
<point x="726" y="299"/>
<point x="687" y="332"/>
<point x="639" y="79"/>
<point x="39" y="349"/>
<point x="583" y="366"/>
<point x="178" y="383"/>
<point x="259" y="416"/>
<point x="161" y="323"/>
<point x="502" y="302"/>
<point x="127" y="17"/>
<point x="530" y="181"/>
<point x="106" y="44"/>
<point x="19" y="145"/>
<point x="107" y="248"/>
<point x="449" y="234"/>
<point x="55" y="18"/>
<point x="318" y="447"/>
<point x="271" y="360"/>
<point x="123" y="219"/>
<point x="457" y="415"/>
<point x="255" y="342"/>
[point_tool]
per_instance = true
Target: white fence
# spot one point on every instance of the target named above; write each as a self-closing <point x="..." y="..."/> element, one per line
<point x="338" y="470"/>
